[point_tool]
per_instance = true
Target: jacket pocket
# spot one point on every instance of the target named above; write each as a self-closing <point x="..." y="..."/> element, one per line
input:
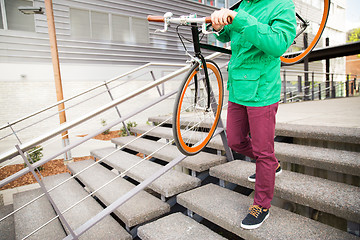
<point x="245" y="83"/>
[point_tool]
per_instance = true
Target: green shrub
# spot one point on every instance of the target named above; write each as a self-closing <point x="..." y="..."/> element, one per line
<point x="129" y="125"/>
<point x="35" y="155"/>
<point x="103" y="123"/>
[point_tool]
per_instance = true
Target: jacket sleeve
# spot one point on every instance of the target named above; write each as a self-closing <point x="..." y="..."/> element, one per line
<point x="224" y="35"/>
<point x="273" y="38"/>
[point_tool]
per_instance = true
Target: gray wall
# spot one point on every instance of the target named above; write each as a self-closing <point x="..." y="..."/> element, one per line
<point x="21" y="46"/>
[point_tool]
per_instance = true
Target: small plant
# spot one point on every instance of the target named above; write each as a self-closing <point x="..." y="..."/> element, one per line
<point x="34" y="156"/>
<point x="129" y="125"/>
<point x="103" y="123"/>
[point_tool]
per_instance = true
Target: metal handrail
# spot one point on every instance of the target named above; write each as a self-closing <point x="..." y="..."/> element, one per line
<point x="89" y="90"/>
<point x="322" y="73"/>
<point x="101" y="130"/>
<point x="68" y="125"/>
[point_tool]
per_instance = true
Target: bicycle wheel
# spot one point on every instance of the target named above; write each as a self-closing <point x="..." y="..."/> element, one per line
<point x="194" y="122"/>
<point x="311" y="19"/>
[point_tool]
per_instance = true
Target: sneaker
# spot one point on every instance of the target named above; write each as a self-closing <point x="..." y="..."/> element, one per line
<point x="277" y="172"/>
<point x="256" y="216"/>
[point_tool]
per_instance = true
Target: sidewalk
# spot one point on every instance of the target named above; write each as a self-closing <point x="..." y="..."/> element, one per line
<point x="341" y="112"/>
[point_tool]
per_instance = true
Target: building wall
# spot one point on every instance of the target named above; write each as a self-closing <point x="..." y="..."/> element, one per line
<point x="31" y="47"/>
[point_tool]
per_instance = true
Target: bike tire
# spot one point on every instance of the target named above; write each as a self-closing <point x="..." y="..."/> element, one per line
<point x="193" y="124"/>
<point x="318" y="23"/>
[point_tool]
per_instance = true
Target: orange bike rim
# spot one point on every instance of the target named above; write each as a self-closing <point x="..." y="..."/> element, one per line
<point x="213" y="127"/>
<point x="316" y="38"/>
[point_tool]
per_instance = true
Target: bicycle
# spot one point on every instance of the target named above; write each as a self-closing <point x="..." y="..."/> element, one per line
<point x="199" y="101"/>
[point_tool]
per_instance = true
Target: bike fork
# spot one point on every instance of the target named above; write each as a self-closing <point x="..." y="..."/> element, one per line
<point x="196" y="41"/>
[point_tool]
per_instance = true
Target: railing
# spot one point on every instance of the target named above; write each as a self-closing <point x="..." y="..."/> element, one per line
<point x="93" y="92"/>
<point x="31" y="167"/>
<point x="311" y="85"/>
<point x="115" y="103"/>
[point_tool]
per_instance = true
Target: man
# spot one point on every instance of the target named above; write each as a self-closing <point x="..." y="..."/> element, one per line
<point x="260" y="32"/>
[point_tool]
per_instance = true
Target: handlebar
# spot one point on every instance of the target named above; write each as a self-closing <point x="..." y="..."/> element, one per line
<point x="183" y="20"/>
<point x="180" y="20"/>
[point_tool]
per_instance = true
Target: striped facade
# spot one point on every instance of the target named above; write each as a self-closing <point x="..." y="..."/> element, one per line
<point x="27" y="46"/>
<point x="110" y="45"/>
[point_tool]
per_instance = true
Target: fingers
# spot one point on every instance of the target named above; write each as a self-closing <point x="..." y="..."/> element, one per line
<point x="222" y="17"/>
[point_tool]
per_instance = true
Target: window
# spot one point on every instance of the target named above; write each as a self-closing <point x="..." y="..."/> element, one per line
<point x="80" y="23"/>
<point x="86" y="24"/>
<point x="103" y="26"/>
<point x="15" y="19"/>
<point x="220" y="3"/>
<point x="139" y="30"/>
<point x="100" y="26"/>
<point x="210" y="2"/>
<point x="121" y="28"/>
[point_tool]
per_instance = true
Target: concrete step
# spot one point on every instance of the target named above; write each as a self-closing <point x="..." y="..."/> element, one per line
<point x="324" y="133"/>
<point x="7" y="226"/>
<point x="139" y="209"/>
<point x="339" y="199"/>
<point x="166" y="133"/>
<point x="227" y="209"/>
<point x="323" y="158"/>
<point x="35" y="215"/>
<point x="70" y="193"/>
<point x="199" y="163"/>
<point x="170" y="184"/>
<point x="176" y="226"/>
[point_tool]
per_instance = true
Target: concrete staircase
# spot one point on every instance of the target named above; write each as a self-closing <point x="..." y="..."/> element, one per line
<point x="324" y="180"/>
<point x="40" y="212"/>
<point x="321" y="172"/>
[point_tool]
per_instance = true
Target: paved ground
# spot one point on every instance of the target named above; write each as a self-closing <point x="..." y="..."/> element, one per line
<point x="341" y="112"/>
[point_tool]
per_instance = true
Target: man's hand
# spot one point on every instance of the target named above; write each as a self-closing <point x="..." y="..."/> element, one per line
<point x="222" y="17"/>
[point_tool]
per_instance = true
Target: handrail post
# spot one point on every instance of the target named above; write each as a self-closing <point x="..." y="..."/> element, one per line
<point x="347" y="85"/>
<point x="284" y="86"/>
<point x="355" y="85"/>
<point x="47" y="194"/>
<point x="157" y="87"/>
<point x="312" y="86"/>
<point x="299" y="84"/>
<point x="17" y="137"/>
<point x="327" y="69"/>
<point x="117" y="109"/>
<point x="333" y="88"/>
<point x="306" y="70"/>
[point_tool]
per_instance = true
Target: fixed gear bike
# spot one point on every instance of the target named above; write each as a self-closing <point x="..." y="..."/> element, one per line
<point x="199" y="101"/>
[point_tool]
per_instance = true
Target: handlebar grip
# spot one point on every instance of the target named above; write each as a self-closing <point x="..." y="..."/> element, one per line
<point x="208" y="20"/>
<point x="152" y="18"/>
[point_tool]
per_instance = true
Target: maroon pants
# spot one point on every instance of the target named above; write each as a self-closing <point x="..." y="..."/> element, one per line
<point x="260" y="123"/>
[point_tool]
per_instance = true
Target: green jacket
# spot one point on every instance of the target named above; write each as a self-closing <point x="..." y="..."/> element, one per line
<point x="260" y="33"/>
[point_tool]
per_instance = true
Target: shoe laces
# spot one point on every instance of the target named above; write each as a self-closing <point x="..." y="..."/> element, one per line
<point x="255" y="210"/>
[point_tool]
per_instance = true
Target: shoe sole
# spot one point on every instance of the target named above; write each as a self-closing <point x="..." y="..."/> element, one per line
<point x="253" y="180"/>
<point x="250" y="227"/>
